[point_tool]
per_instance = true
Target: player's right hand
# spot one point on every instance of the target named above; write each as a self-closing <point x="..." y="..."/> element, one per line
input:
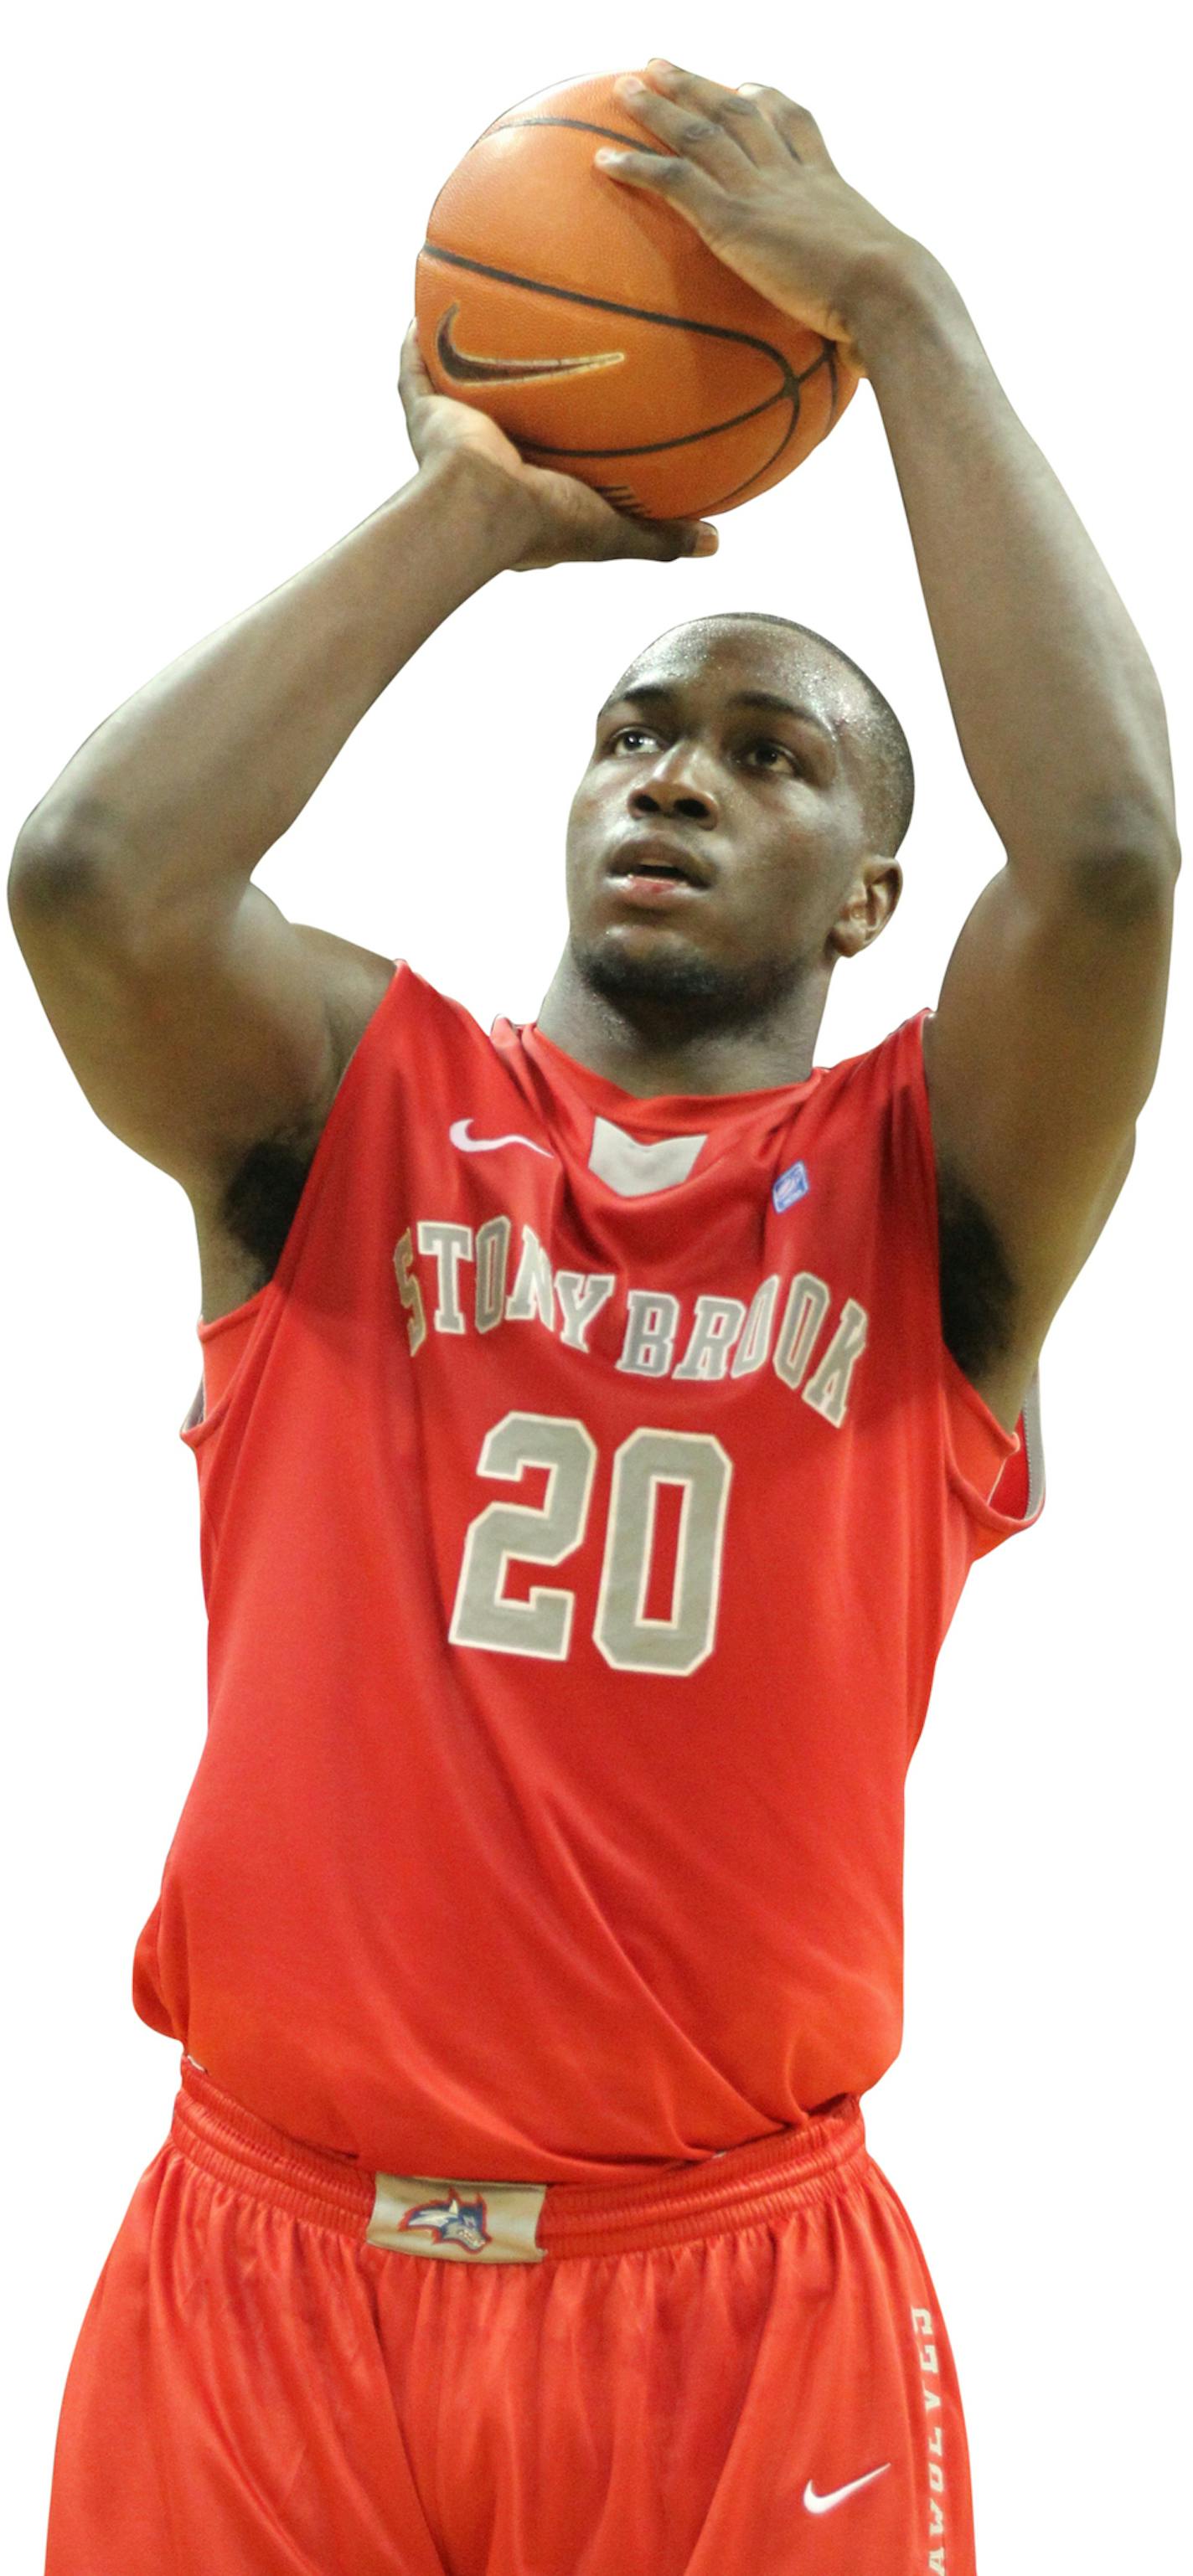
<point x="565" y="520"/>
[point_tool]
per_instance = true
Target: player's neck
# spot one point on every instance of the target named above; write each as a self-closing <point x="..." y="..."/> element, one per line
<point x="657" y="1061"/>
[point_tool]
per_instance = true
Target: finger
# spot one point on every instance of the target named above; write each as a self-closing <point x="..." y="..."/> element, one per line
<point x="412" y="356"/>
<point x="660" y="540"/>
<point x="414" y="382"/>
<point x="715" y="138"/>
<point x="681" y="83"/>
<point x="739" y="117"/>
<point x="695" y="192"/>
<point x="795" y="126"/>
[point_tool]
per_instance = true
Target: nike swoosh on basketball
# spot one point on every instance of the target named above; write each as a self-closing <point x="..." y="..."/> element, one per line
<point x="824" y="2503"/>
<point x="465" y="369"/>
<point x="458" y="1133"/>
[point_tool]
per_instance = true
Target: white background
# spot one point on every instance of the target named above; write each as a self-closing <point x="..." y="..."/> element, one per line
<point x="219" y="215"/>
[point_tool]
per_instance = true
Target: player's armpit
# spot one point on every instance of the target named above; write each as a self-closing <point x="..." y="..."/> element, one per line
<point x="1040" y="1055"/>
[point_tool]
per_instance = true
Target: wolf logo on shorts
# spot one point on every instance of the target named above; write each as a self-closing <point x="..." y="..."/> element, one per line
<point x="450" y="2222"/>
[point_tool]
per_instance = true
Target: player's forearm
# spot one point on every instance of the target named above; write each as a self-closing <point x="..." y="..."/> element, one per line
<point x="203" y="770"/>
<point x="1056" y="704"/>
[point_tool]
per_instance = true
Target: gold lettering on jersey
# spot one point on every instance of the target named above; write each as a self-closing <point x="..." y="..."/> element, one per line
<point x="652" y="1322"/>
<point x="803" y="1315"/>
<point x="755" y="1341"/>
<point x="581" y="1294"/>
<point x="534" y="1287"/>
<point x="828" y="1389"/>
<point x="719" y="1338"/>
<point x="492" y="1270"/>
<point x="718" y="1322"/>
<point x="409" y="1291"/>
<point x="451" y="1244"/>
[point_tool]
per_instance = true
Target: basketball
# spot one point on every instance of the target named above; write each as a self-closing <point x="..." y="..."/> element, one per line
<point x="600" y="333"/>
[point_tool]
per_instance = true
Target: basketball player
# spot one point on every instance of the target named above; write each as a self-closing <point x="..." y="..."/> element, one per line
<point x="599" y="1419"/>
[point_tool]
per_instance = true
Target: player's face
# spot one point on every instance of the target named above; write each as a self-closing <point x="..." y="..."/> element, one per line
<point x="761" y="804"/>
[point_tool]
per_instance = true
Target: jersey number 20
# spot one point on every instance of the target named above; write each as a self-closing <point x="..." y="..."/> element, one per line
<point x="547" y="1532"/>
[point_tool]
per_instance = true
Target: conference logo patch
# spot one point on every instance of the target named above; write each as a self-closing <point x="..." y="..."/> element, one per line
<point x="791" y="1185"/>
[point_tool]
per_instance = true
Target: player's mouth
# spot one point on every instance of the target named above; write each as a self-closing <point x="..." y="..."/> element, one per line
<point x="651" y="869"/>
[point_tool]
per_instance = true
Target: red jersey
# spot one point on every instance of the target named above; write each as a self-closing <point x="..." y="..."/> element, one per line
<point x="584" y="1502"/>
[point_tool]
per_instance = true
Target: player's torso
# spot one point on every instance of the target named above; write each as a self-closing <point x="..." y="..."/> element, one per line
<point x="579" y="1527"/>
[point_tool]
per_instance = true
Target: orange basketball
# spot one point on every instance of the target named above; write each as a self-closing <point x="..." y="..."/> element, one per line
<point x="594" y="326"/>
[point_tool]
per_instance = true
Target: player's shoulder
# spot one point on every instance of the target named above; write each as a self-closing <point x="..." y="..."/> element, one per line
<point x="354" y="981"/>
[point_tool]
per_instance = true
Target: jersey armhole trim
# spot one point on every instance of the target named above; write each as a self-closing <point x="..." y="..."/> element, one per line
<point x="968" y="1486"/>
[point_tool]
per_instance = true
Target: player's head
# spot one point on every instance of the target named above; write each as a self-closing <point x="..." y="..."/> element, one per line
<point x="791" y="819"/>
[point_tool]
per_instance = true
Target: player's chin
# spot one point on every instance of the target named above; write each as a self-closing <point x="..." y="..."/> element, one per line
<point x="632" y="963"/>
<point x="655" y="935"/>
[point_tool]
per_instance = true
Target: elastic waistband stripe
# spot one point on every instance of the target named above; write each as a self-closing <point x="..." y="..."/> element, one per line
<point x="736" y="2187"/>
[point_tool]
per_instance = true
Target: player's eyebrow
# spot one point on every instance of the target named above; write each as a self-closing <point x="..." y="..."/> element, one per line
<point x="653" y="692"/>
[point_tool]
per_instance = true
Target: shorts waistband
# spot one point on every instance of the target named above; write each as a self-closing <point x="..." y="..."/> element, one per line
<point x="516" y="2222"/>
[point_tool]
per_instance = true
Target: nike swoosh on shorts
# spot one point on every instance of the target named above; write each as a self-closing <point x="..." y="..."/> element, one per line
<point x="824" y="2503"/>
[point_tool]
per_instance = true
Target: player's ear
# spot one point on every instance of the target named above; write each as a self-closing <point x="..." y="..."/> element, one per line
<point x="887" y="883"/>
<point x="867" y="906"/>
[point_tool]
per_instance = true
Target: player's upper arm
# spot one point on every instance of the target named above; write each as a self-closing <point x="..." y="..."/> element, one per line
<point x="1041" y="1054"/>
<point x="199" y="1040"/>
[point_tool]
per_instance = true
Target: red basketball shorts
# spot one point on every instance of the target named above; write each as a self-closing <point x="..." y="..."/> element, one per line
<point x="290" y="2367"/>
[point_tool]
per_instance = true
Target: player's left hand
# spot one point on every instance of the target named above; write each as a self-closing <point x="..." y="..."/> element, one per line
<point x="751" y="174"/>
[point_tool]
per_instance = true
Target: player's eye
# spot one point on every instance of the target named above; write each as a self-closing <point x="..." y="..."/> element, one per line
<point x="641" y="733"/>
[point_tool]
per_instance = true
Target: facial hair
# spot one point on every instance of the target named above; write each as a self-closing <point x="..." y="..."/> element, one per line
<point x="676" y="996"/>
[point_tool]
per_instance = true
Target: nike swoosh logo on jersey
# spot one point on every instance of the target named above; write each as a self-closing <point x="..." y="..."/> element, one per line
<point x="465" y="369"/>
<point x="824" y="2503"/>
<point x="458" y="1133"/>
